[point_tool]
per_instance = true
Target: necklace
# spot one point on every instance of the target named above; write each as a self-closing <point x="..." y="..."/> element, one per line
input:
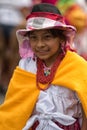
<point x="46" y="70"/>
<point x="46" y="77"/>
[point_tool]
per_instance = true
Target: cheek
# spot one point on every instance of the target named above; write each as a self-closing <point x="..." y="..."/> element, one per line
<point x="55" y="49"/>
<point x="55" y="43"/>
<point x="55" y="46"/>
<point x="32" y="46"/>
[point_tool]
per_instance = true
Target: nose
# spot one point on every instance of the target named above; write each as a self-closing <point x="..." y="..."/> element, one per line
<point x="40" y="43"/>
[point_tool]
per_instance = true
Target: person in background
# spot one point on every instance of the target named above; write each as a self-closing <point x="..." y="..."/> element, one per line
<point x="81" y="38"/>
<point x="11" y="16"/>
<point x="75" y="13"/>
<point x="36" y="2"/>
<point x="48" y="89"/>
<point x="50" y="1"/>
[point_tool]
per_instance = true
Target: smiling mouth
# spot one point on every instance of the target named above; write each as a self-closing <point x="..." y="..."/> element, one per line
<point x="42" y="52"/>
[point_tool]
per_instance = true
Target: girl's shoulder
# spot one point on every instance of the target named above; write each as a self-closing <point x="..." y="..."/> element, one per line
<point x="28" y="64"/>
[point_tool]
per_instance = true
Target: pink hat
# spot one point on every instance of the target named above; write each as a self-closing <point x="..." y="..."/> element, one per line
<point x="43" y="16"/>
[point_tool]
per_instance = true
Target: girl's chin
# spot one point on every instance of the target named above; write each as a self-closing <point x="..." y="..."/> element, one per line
<point x="43" y="57"/>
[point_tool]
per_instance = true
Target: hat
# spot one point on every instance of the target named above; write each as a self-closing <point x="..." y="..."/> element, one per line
<point x="42" y="16"/>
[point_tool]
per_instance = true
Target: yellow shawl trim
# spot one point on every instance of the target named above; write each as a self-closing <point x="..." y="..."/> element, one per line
<point x="22" y="92"/>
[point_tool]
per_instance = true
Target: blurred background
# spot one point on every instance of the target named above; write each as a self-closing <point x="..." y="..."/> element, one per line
<point x="12" y="17"/>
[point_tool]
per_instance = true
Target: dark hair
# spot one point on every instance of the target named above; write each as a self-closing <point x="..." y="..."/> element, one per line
<point x="55" y="33"/>
<point x="58" y="33"/>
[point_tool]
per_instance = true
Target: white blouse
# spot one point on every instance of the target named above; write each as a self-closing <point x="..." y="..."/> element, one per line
<point x="56" y="103"/>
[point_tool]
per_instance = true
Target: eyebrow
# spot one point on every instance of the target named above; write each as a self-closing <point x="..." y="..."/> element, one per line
<point x="44" y="33"/>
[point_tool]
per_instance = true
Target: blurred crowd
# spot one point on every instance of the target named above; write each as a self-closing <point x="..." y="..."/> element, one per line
<point x="12" y="17"/>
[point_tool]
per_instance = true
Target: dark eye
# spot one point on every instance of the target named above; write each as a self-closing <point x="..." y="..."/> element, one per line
<point x="32" y="37"/>
<point x="48" y="36"/>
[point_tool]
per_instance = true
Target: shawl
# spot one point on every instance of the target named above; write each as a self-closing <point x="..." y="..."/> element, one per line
<point x="22" y="92"/>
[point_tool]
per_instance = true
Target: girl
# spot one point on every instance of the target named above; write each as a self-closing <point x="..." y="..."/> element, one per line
<point x="49" y="83"/>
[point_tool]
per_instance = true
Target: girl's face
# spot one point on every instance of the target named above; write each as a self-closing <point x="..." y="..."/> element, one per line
<point x="44" y="45"/>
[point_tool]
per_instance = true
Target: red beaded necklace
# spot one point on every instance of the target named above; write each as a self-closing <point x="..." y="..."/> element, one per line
<point x="41" y="78"/>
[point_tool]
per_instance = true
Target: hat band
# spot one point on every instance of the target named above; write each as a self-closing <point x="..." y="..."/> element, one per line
<point x="53" y="16"/>
<point x="43" y="20"/>
<point x="40" y="23"/>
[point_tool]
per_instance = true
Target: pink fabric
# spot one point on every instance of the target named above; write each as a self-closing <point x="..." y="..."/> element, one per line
<point x="25" y="49"/>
